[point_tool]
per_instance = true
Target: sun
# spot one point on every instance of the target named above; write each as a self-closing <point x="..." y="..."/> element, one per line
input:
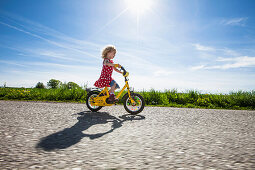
<point x="139" y="6"/>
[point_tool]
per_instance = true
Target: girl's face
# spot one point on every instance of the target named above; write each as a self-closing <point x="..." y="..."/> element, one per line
<point x="111" y="55"/>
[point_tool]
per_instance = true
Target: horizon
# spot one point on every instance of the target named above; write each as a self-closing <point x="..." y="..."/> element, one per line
<point x="202" y="45"/>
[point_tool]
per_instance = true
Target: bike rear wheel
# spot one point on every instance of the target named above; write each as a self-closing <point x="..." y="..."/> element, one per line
<point x="137" y="107"/>
<point x="89" y="101"/>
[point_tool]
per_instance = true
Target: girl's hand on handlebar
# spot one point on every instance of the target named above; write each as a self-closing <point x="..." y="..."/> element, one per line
<point x="117" y="65"/>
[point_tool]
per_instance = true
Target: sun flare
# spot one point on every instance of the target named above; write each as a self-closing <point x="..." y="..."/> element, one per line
<point x="139" y="6"/>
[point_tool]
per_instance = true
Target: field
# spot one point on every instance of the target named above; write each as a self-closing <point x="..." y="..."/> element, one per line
<point x="169" y="98"/>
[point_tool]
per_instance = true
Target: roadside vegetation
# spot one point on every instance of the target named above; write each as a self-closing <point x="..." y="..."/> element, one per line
<point x="194" y="99"/>
<point x="55" y="91"/>
<point x="71" y="92"/>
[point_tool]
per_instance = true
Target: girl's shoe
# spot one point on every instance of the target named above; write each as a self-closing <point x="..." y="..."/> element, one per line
<point x="112" y="98"/>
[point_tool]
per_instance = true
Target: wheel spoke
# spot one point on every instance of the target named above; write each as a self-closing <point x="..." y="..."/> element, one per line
<point x="137" y="106"/>
<point x="91" y="100"/>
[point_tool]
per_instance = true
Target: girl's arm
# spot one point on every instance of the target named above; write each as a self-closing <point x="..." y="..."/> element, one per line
<point x="117" y="70"/>
<point x="108" y="63"/>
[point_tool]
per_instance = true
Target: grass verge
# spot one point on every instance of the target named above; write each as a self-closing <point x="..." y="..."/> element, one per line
<point x="240" y="100"/>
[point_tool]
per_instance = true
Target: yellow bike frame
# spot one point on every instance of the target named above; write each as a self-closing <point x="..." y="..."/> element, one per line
<point x="101" y="100"/>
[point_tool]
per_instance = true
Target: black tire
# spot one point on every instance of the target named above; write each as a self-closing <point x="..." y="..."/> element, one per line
<point x="92" y="108"/>
<point x="134" y="109"/>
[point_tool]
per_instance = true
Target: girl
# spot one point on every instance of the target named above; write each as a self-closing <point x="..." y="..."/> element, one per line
<point x="106" y="79"/>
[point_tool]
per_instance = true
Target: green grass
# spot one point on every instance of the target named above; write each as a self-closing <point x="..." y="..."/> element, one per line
<point x="194" y="99"/>
<point x="168" y="98"/>
<point x="61" y="94"/>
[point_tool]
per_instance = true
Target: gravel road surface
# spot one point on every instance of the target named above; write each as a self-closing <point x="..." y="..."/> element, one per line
<point x="43" y="135"/>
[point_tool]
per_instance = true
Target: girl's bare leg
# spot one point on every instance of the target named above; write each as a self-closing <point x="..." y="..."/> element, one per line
<point x="112" y="88"/>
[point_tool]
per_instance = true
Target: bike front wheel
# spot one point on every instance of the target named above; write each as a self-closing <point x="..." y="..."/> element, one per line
<point x="134" y="108"/>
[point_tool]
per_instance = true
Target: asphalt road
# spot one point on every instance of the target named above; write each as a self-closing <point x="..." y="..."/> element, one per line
<point x="41" y="135"/>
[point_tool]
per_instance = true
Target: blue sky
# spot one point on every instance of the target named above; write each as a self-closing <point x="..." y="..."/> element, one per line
<point x="204" y="45"/>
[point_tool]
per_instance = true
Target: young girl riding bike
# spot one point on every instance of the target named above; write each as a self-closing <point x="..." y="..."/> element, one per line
<point x="106" y="79"/>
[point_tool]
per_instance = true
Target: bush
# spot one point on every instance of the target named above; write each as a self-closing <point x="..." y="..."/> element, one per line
<point x="220" y="100"/>
<point x="203" y="102"/>
<point x="242" y="99"/>
<point x="53" y="84"/>
<point x="40" y="85"/>
<point x="192" y="96"/>
<point x="171" y="95"/>
<point x="70" y="85"/>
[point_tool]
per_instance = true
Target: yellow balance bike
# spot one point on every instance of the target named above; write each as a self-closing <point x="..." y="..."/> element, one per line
<point x="133" y="102"/>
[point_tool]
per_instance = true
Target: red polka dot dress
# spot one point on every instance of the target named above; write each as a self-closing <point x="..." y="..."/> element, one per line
<point x="105" y="77"/>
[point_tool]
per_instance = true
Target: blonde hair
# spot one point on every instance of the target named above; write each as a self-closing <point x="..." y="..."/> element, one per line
<point x="108" y="49"/>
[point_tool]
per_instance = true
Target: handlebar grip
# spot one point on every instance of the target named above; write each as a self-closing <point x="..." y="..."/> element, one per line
<point x="122" y="68"/>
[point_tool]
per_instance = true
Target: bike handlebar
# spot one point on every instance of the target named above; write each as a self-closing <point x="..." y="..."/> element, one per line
<point x="122" y="68"/>
<point x="125" y="73"/>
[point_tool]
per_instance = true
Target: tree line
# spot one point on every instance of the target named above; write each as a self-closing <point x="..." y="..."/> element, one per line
<point x="55" y="84"/>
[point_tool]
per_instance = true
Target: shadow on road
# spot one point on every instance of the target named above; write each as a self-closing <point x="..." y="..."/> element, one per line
<point x="70" y="136"/>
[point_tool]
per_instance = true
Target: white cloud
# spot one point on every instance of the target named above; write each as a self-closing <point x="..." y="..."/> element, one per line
<point x="198" y="67"/>
<point x="60" y="55"/>
<point x="203" y="48"/>
<point x="237" y="62"/>
<point x="12" y="63"/>
<point x="235" y="21"/>
<point x="162" y="73"/>
<point x="207" y="50"/>
<point x="205" y="81"/>
<point x="32" y="26"/>
<point x="58" y="44"/>
<point x="244" y="61"/>
<point x="49" y="66"/>
<point x="231" y="52"/>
